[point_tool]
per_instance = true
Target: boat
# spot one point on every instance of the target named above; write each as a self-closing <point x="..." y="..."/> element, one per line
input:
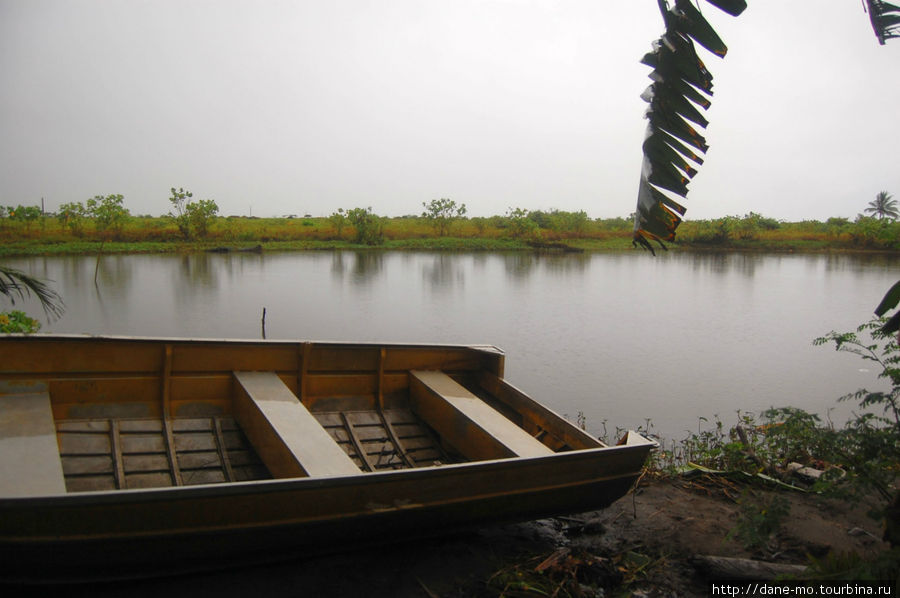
<point x="125" y="457"/>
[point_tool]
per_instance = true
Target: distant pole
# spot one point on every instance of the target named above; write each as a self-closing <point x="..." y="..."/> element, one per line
<point x="42" y="206"/>
<point x="264" y="323"/>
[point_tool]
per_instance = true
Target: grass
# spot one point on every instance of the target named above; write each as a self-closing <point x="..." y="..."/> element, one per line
<point x="145" y="234"/>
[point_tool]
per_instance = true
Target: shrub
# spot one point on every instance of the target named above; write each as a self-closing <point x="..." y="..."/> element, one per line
<point x="18" y="321"/>
<point x="442" y="213"/>
<point x="369" y="227"/>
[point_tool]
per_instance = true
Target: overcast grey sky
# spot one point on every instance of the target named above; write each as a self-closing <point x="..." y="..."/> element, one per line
<point x="305" y="106"/>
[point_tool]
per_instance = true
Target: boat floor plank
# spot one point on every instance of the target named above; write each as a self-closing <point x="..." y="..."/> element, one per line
<point x="29" y="455"/>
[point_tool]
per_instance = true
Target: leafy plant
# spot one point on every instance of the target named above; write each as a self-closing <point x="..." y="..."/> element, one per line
<point x="17" y="321"/>
<point x="72" y="215"/>
<point x="26" y="214"/>
<point x="760" y="518"/>
<point x="884" y="206"/>
<point x="192" y="217"/>
<point x="200" y="215"/>
<point x="369" y="227"/>
<point x="520" y="224"/>
<point x="108" y="212"/>
<point x="338" y="220"/>
<point x="442" y="213"/>
<point x="15" y="283"/>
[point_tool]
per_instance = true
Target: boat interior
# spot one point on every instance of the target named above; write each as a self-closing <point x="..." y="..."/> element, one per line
<point x="109" y="414"/>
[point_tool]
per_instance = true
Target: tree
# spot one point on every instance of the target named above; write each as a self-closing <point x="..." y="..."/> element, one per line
<point x="520" y="223"/>
<point x="108" y="212"/>
<point x="192" y="218"/>
<point x="72" y="215"/>
<point x="369" y="227"/>
<point x="338" y="220"/>
<point x="884" y="206"/>
<point x="182" y="220"/>
<point x="26" y="214"/>
<point x="442" y="213"/>
<point x="201" y="214"/>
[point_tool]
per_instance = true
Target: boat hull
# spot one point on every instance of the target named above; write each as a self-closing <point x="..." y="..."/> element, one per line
<point x="141" y="533"/>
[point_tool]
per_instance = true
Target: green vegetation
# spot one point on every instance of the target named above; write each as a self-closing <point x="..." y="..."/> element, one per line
<point x="17" y="284"/>
<point x="369" y="227"/>
<point x="109" y="215"/>
<point x="759" y="519"/>
<point x="193" y="218"/>
<point x="17" y="321"/>
<point x="442" y="213"/>
<point x="884" y="206"/>
<point x="443" y="225"/>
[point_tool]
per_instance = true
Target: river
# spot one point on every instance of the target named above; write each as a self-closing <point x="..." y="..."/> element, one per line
<point x="623" y="339"/>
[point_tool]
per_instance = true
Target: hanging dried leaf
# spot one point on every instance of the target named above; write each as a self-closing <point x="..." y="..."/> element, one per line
<point x="680" y="90"/>
<point x="885" y="18"/>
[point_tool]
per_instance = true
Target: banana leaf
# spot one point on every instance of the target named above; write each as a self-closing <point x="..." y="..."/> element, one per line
<point x="885" y="19"/>
<point x="679" y="91"/>
<point x="890" y="301"/>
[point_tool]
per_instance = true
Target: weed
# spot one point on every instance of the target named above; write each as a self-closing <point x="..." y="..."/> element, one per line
<point x="759" y="519"/>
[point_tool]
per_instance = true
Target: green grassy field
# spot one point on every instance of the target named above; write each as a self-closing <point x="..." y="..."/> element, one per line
<point x="49" y="235"/>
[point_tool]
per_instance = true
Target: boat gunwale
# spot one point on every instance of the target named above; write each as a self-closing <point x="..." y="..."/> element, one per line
<point x="50" y="336"/>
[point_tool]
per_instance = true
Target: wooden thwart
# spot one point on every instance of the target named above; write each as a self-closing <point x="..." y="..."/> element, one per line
<point x="29" y="454"/>
<point x="289" y="440"/>
<point x="471" y="426"/>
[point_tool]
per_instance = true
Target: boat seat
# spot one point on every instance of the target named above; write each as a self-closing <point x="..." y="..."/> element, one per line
<point x="469" y="424"/>
<point x="29" y="452"/>
<point x="287" y="437"/>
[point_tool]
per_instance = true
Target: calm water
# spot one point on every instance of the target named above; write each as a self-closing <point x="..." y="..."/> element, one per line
<point x="617" y="337"/>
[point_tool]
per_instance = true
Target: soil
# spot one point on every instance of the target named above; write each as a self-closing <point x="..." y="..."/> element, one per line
<point x="643" y="543"/>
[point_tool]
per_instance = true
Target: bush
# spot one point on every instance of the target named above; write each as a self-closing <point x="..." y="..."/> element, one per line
<point x="442" y="213"/>
<point x="192" y="217"/>
<point x="369" y="227"/>
<point x="18" y="321"/>
<point x="109" y="213"/>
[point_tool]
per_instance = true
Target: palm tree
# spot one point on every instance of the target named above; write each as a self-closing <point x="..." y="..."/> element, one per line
<point x="15" y="283"/>
<point x="884" y="206"/>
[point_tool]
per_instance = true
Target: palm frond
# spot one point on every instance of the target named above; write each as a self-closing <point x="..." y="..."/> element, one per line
<point x="885" y="19"/>
<point x="15" y="283"/>
<point x="681" y="88"/>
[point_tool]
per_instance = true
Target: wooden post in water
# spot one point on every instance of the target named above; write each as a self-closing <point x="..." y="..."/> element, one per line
<point x="264" y="324"/>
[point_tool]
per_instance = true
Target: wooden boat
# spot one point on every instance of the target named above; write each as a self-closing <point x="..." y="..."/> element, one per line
<point x="127" y="457"/>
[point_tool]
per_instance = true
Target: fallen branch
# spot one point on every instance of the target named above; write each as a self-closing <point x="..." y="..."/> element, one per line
<point x="720" y="567"/>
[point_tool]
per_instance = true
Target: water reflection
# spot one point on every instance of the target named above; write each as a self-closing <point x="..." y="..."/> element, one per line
<point x="720" y="263"/>
<point x="367" y="266"/>
<point x="115" y="270"/>
<point x="444" y="272"/>
<point x="337" y="265"/>
<point x="519" y="266"/>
